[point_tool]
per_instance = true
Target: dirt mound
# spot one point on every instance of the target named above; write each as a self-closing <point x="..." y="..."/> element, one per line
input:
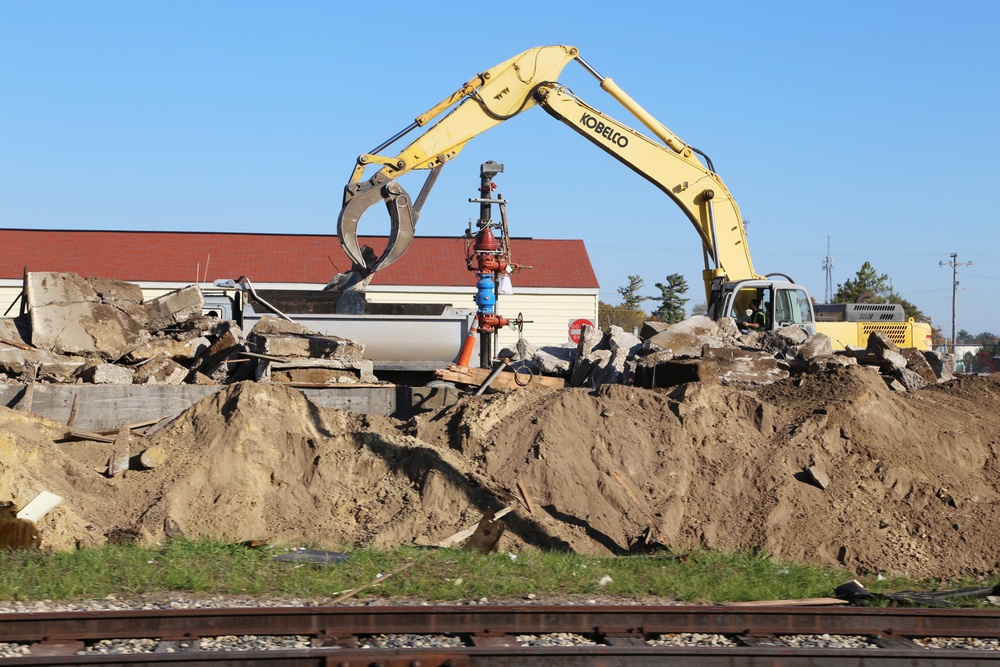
<point x="912" y="477"/>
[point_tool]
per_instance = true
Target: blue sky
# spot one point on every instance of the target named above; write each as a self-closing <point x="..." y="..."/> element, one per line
<point x="871" y="124"/>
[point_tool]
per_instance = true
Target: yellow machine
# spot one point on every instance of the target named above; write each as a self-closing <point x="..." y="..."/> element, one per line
<point x="676" y="168"/>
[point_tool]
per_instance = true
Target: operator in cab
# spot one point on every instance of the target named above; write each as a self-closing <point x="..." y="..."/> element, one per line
<point x="758" y="318"/>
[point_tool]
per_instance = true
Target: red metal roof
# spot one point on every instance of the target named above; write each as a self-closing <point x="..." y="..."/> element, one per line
<point x="186" y="257"/>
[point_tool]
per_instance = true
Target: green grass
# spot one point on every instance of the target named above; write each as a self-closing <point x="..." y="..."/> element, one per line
<point x="213" y="568"/>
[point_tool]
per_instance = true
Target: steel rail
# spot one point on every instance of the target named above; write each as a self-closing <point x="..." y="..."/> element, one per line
<point x="489" y="635"/>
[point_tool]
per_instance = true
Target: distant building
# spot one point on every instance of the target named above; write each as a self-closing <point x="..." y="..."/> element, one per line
<point x="559" y="288"/>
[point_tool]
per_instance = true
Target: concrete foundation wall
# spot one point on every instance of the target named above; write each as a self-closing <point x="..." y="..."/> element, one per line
<point x="107" y="407"/>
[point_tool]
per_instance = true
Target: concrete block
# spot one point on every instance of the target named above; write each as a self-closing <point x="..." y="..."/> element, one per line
<point x="747" y="367"/>
<point x="942" y="363"/>
<point x="85" y="328"/>
<point x="686" y="338"/>
<point x="890" y="360"/>
<point x="624" y="342"/>
<point x="555" y="360"/>
<point x="116" y="292"/>
<point x="917" y="362"/>
<point x="877" y="340"/>
<point x="174" y="307"/>
<point x="176" y="348"/>
<point x="591" y="338"/>
<point x="105" y="374"/>
<point x="281" y="338"/>
<point x="161" y="370"/>
<point x="47" y="288"/>
<point x="910" y="380"/>
<point x="650" y="329"/>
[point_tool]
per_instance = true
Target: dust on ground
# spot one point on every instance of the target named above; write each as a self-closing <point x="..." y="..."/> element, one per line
<point x="913" y="478"/>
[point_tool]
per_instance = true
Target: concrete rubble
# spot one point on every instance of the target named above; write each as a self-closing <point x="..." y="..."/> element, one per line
<point x="101" y="331"/>
<point x="699" y="349"/>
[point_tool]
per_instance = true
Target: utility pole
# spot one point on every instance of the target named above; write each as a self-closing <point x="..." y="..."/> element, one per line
<point x="954" y="264"/>
<point x="828" y="267"/>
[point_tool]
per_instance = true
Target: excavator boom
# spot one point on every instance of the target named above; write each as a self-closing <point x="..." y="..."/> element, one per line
<point x="504" y="91"/>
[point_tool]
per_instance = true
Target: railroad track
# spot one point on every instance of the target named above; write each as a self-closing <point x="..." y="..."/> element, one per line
<point x="460" y="636"/>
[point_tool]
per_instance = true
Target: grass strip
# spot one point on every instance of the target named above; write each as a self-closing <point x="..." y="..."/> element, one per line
<point x="204" y="567"/>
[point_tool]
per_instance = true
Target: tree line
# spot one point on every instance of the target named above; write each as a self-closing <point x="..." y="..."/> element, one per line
<point x="866" y="285"/>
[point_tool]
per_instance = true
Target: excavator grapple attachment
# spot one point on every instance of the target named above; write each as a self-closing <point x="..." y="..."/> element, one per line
<point x="358" y="198"/>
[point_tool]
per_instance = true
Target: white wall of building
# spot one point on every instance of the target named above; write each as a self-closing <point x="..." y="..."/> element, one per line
<point x="548" y="311"/>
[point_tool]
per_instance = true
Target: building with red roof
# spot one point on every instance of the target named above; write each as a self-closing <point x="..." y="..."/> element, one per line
<point x="556" y="286"/>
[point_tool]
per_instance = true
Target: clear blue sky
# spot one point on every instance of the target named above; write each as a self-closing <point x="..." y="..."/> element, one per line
<point x="873" y="124"/>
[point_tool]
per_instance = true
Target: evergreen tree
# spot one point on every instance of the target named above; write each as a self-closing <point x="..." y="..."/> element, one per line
<point x="631" y="299"/>
<point x="671" y="299"/>
<point x="867" y="280"/>
<point x="876" y="289"/>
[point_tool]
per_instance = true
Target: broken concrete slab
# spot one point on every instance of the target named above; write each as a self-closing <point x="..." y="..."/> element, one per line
<point x="910" y="380"/>
<point x="97" y="373"/>
<point x="116" y="291"/>
<point x="183" y="347"/>
<point x="591" y="338"/>
<point x="779" y="340"/>
<point x="281" y="338"/>
<point x="877" y="340"/>
<point x="48" y="288"/>
<point x="942" y="363"/>
<point x="747" y="367"/>
<point x="687" y="338"/>
<point x="917" y="362"/>
<point x="15" y="332"/>
<point x="818" y="345"/>
<point x="585" y="367"/>
<point x="321" y="371"/>
<point x="890" y="360"/>
<point x="623" y="342"/>
<point x="555" y="360"/>
<point x="13" y="361"/>
<point x="85" y="328"/>
<point x="174" y="307"/>
<point x="826" y="362"/>
<point x="161" y="370"/>
<point x="229" y="340"/>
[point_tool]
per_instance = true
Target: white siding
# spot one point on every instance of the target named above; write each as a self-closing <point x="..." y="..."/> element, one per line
<point x="548" y="311"/>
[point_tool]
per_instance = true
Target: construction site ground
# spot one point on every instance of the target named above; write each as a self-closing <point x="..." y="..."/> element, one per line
<point x="831" y="468"/>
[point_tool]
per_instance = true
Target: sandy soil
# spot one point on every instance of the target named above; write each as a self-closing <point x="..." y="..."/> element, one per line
<point x="912" y="478"/>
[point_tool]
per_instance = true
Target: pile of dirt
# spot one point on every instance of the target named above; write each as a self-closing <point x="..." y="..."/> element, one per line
<point x="911" y="480"/>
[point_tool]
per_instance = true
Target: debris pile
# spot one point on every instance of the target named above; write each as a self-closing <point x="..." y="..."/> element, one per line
<point x="833" y="468"/>
<point x="101" y="331"/>
<point x="699" y="349"/>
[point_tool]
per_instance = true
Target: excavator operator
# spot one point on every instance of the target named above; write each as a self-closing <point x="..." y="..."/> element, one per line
<point x="758" y="318"/>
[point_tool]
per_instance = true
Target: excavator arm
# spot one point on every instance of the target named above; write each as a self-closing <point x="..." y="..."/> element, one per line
<point x="505" y="91"/>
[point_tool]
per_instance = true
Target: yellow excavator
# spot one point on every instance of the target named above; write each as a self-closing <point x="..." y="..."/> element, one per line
<point x="679" y="170"/>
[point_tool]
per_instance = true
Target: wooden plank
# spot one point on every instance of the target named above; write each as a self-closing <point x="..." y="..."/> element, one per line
<point x="527" y="500"/>
<point x="801" y="602"/>
<point x="77" y="434"/>
<point x="20" y="346"/>
<point x="504" y="380"/>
